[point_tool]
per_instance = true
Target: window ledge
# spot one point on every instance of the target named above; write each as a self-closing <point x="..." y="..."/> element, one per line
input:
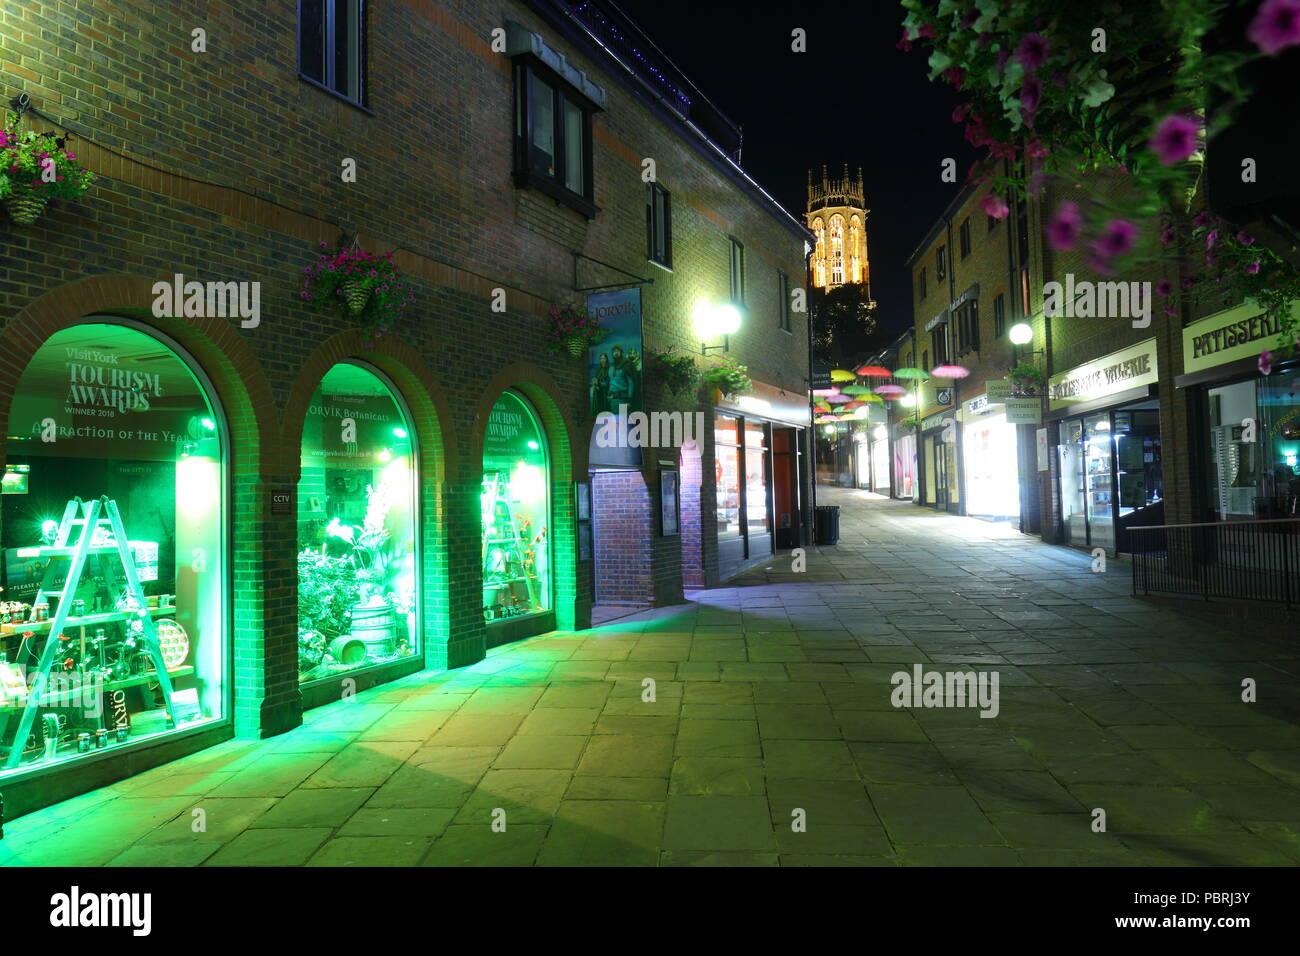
<point x="656" y="262"/>
<point x="527" y="179"/>
<point x="335" y="93"/>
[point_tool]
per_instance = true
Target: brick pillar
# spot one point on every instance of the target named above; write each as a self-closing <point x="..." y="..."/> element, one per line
<point x="624" y="530"/>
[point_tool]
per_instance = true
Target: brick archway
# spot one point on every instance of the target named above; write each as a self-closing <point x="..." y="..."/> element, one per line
<point x="418" y="387"/>
<point x="218" y="347"/>
<point x="568" y="461"/>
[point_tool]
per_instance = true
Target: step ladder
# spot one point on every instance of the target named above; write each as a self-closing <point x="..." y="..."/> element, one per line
<point x="85" y="518"/>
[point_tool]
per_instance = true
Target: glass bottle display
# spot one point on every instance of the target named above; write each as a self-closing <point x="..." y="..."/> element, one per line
<point x="357" y="602"/>
<point x="1099" y="480"/>
<point x="515" y="506"/>
<point x="113" y="623"/>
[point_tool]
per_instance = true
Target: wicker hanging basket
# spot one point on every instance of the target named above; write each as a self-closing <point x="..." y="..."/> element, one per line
<point x="576" y="345"/>
<point x="356" y="294"/>
<point x="24" y="208"/>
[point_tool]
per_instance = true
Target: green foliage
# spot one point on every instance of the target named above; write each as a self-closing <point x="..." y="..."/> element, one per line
<point x="568" y="325"/>
<point x="728" y="377"/>
<point x="678" y="373"/>
<point x="324" y="281"/>
<point x="327" y="589"/>
<point x="843" y="321"/>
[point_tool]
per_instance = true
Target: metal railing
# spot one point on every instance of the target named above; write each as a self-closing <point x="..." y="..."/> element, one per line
<point x="1238" y="560"/>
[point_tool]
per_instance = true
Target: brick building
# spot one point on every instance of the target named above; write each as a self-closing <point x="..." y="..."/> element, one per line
<point x="301" y="509"/>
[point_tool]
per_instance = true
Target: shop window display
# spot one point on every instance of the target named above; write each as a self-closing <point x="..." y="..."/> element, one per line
<point x="515" y="503"/>
<point x="357" y="604"/>
<point x="727" y="475"/>
<point x="113" y="621"/>
<point x="756" y="516"/>
<point x="1255" y="448"/>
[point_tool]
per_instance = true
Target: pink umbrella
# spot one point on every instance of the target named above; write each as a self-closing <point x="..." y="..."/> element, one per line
<point x="825" y="392"/>
<point x="838" y="399"/>
<point x="890" y="391"/>
<point x="950" y="371"/>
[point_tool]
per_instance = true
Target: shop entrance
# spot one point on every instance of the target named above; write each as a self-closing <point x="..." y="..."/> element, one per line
<point x="785" y="487"/>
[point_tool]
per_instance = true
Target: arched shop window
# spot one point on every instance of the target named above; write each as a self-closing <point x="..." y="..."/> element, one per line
<point x="516" y="512"/>
<point x="357" y="573"/>
<point x="113" y="618"/>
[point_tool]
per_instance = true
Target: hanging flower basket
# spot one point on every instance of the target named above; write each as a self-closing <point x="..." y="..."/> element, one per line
<point x="727" y="377"/>
<point x="678" y="373"/>
<point x="573" y="330"/>
<point x="365" y="285"/>
<point x="35" y="168"/>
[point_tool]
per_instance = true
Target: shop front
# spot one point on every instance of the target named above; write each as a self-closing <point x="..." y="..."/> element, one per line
<point x="904" y="463"/>
<point x="939" y="458"/>
<point x="759" y="444"/>
<point x="1246" y="426"/>
<point x="115" y="628"/>
<point x="990" y="460"/>
<point x="1109" y="474"/>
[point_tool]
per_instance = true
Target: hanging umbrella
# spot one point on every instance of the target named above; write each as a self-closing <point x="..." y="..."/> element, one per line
<point x="846" y="418"/>
<point x="874" y="371"/>
<point x="852" y="406"/>
<point x="891" y="392"/>
<point x="825" y="392"/>
<point x="838" y="399"/>
<point x="872" y="398"/>
<point x="840" y="375"/>
<point x="950" y="371"/>
<point x="910" y="373"/>
<point x="862" y="412"/>
<point x="825" y="419"/>
<point x="855" y="390"/>
<point x="822" y="405"/>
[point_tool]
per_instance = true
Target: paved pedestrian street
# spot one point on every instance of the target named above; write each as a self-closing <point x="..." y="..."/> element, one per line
<point x="771" y="738"/>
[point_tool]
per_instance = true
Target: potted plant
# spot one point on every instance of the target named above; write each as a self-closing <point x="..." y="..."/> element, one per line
<point x="727" y="377"/>
<point x="677" y="372"/>
<point x="1026" y="379"/>
<point x="35" y="168"/>
<point x="366" y="284"/>
<point x="573" y="330"/>
<point x="909" y="424"/>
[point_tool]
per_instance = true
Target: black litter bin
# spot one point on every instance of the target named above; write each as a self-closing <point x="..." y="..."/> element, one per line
<point x="826" y="523"/>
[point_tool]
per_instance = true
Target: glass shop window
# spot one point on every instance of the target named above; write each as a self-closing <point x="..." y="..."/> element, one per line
<point x="515" y="503"/>
<point x="113" y="624"/>
<point x="756" y="516"/>
<point x="332" y="45"/>
<point x="357" y="599"/>
<point x="726" y="437"/>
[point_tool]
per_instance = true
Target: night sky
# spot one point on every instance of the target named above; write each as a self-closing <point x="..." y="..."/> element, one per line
<point x="852" y="98"/>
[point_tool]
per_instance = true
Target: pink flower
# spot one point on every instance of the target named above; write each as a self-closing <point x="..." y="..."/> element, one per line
<point x="995" y="206"/>
<point x="1245" y="240"/>
<point x="1063" y="228"/>
<point x="1202" y="218"/>
<point x="955" y="75"/>
<point x="1099" y="263"/>
<point x="1276" y="26"/>
<point x="904" y="43"/>
<point x="1265" y="362"/>
<point x="1033" y="50"/>
<point x="1253" y="268"/>
<point x="1211" y="238"/>
<point x="1166" y="234"/>
<point x="927" y="30"/>
<point x="1163" y="288"/>
<point x="1118" y="238"/>
<point x="1031" y="94"/>
<point x="1036" y="149"/>
<point x="1175" y="138"/>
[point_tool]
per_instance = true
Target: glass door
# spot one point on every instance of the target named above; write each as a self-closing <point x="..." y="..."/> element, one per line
<point x="1099" y="478"/>
<point x="1074" y="522"/>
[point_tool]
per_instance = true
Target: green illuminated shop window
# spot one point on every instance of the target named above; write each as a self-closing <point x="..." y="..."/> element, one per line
<point x="515" y="503"/>
<point x="113" y="623"/>
<point x="357" y="601"/>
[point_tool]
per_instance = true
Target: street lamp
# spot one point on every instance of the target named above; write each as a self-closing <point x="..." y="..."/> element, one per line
<point x="712" y="321"/>
<point x="1022" y="333"/>
<point x="908" y="400"/>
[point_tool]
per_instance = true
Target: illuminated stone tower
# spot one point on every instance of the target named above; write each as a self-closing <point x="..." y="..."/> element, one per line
<point x="837" y="217"/>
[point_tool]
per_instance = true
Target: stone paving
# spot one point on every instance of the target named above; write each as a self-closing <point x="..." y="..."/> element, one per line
<point x="772" y="700"/>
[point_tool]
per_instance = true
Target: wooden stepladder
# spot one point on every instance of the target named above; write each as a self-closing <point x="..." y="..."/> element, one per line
<point x="75" y="541"/>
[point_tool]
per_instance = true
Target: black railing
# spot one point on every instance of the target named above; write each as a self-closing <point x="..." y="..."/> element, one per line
<point x="1238" y="560"/>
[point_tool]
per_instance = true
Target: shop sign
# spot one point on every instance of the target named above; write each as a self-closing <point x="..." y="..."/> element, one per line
<point x="979" y="407"/>
<point x="614" y="375"/>
<point x="1041" y="437"/>
<point x="998" y="390"/>
<point x="1024" y="411"/>
<point x="1237" y="333"/>
<point x="943" y="396"/>
<point x="1125" y="369"/>
<point x="935" y="421"/>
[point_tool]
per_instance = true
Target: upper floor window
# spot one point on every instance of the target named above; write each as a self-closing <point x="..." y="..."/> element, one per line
<point x="737" y="271"/>
<point x="968" y="327"/>
<point x="999" y="315"/>
<point x="659" y="224"/>
<point x="940" y="264"/>
<point x="783" y="303"/>
<point x="922" y="292"/>
<point x="964" y="238"/>
<point x="939" y="342"/>
<point x="332" y="46"/>
<point x="552" y="137"/>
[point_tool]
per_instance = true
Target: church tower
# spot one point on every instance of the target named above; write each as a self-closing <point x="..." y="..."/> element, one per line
<point x="837" y="218"/>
